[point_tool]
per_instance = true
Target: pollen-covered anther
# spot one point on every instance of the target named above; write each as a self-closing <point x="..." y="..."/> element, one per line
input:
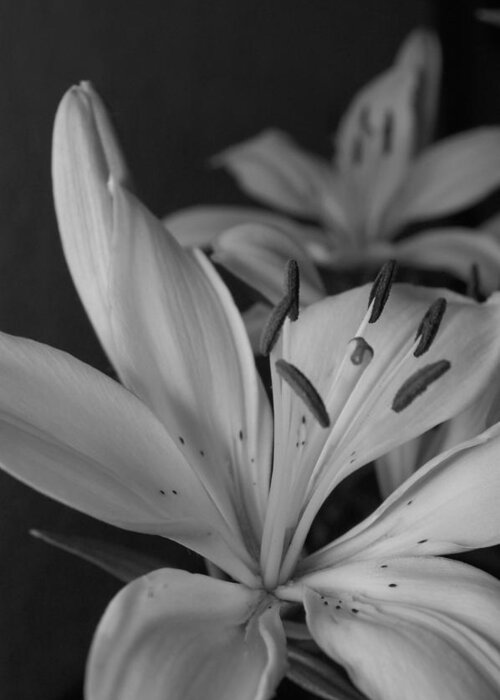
<point x="418" y="383"/>
<point x="287" y="306"/>
<point x="361" y="351"/>
<point x="380" y="290"/>
<point x="429" y="326"/>
<point x="292" y="288"/>
<point x="305" y="390"/>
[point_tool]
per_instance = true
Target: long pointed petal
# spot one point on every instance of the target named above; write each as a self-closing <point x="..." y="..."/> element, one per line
<point x="422" y="52"/>
<point x="258" y="255"/>
<point x="448" y="177"/>
<point x="375" y="143"/>
<point x="410" y="628"/>
<point x="198" y="226"/>
<point x="81" y="438"/>
<point x="454" y="250"/>
<point x="274" y="170"/>
<point x="449" y="505"/>
<point x="166" y="320"/>
<point x="185" y="637"/>
<point x="185" y="351"/>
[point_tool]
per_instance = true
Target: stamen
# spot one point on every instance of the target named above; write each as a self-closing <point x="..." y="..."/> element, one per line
<point x="364" y="121"/>
<point x="362" y="352"/>
<point x="387" y="133"/>
<point x="288" y="306"/>
<point x="474" y="286"/>
<point x="292" y="283"/>
<point x="357" y="152"/>
<point x="418" y="383"/>
<point x="429" y="326"/>
<point x="305" y="390"/>
<point x="380" y="290"/>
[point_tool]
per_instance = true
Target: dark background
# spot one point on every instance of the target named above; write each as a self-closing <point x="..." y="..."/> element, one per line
<point x="182" y="79"/>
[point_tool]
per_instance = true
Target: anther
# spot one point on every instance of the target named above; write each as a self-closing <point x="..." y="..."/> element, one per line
<point x="388" y="133"/>
<point x="380" y="290"/>
<point x="287" y="306"/>
<point x="474" y="287"/>
<point x="292" y="288"/>
<point x="305" y="390"/>
<point x="418" y="383"/>
<point x="429" y="326"/>
<point x="362" y="352"/>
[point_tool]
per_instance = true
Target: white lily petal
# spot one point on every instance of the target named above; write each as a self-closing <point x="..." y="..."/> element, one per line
<point x="492" y="226"/>
<point x="274" y="170"/>
<point x="454" y="250"/>
<point x="422" y="52"/>
<point x="184" y="351"/>
<point x="185" y="637"/>
<point x="160" y="312"/>
<point x="197" y="227"/>
<point x="85" y="153"/>
<point x="393" y="468"/>
<point x="360" y="400"/>
<point x="448" y="177"/>
<point x="397" y="465"/>
<point x="75" y="435"/>
<point x="258" y="255"/>
<point x="490" y="16"/>
<point x="413" y="630"/>
<point x="375" y="142"/>
<point x="449" y="505"/>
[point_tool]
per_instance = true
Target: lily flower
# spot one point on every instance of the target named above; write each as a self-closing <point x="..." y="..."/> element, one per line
<point x="188" y="449"/>
<point x="385" y="176"/>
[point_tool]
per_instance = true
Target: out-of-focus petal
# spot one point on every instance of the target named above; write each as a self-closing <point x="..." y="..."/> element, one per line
<point x="255" y="319"/>
<point x="421" y="52"/>
<point x="185" y="637"/>
<point x="454" y="250"/>
<point x="196" y="227"/>
<point x="184" y="350"/>
<point x="75" y="435"/>
<point x="258" y="255"/>
<point x="448" y="177"/>
<point x="490" y="16"/>
<point x="274" y="170"/>
<point x="449" y="505"/>
<point x="410" y="628"/>
<point x="375" y="143"/>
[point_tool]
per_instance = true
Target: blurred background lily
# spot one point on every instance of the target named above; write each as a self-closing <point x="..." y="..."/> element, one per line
<point x="386" y="193"/>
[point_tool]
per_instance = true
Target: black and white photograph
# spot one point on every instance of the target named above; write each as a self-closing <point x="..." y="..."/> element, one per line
<point x="250" y="350"/>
